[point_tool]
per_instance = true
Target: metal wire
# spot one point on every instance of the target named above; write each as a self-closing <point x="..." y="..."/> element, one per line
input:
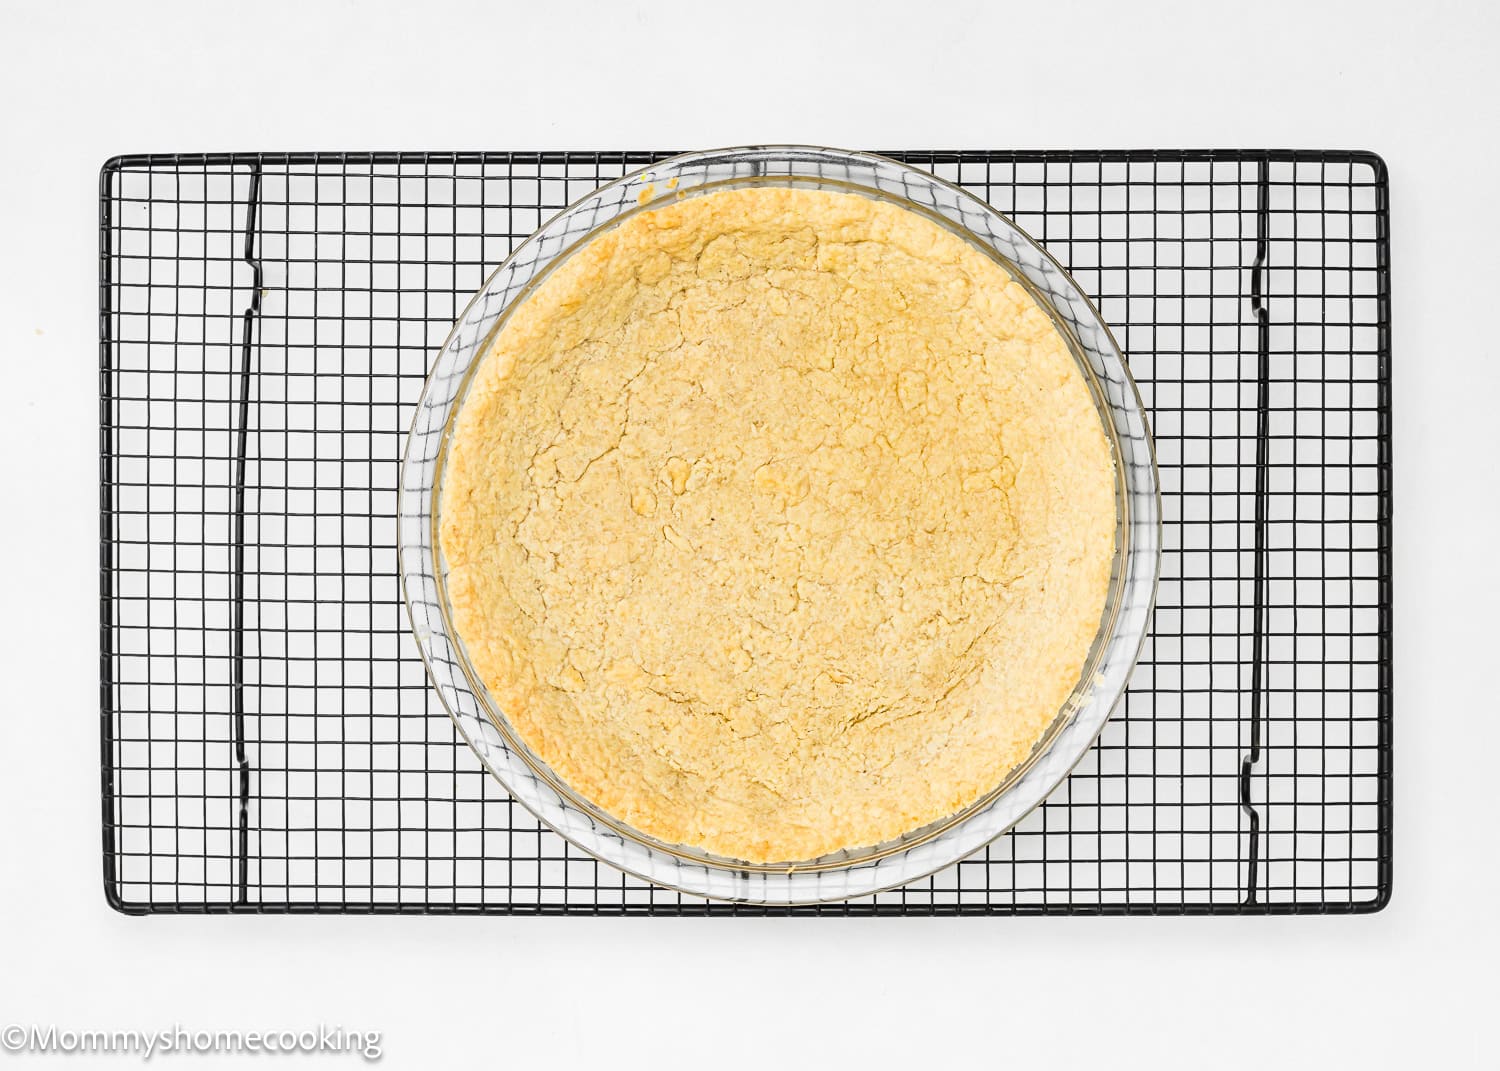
<point x="268" y="740"/>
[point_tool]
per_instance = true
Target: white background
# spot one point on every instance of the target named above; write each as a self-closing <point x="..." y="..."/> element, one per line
<point x="1412" y="986"/>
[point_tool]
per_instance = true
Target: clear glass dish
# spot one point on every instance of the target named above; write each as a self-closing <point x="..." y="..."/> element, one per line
<point x="845" y="874"/>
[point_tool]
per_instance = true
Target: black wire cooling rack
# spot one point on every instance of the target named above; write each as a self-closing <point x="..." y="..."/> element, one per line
<point x="269" y="742"/>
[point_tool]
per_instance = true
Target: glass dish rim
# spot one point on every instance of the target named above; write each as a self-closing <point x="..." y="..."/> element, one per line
<point x="1126" y="551"/>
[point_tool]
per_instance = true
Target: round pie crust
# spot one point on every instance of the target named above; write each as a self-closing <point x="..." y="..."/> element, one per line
<point x="778" y="522"/>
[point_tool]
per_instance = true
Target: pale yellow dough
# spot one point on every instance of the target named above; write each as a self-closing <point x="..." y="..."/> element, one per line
<point x="779" y="522"/>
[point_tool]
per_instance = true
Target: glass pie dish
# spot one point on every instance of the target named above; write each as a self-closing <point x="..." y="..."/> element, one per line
<point x="849" y="873"/>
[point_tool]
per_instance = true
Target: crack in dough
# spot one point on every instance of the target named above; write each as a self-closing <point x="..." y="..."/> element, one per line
<point x="779" y="522"/>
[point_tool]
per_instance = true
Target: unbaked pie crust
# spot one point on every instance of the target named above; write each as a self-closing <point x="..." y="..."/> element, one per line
<point x="778" y="521"/>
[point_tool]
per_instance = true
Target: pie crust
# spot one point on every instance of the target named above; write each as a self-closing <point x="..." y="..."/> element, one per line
<point x="778" y="522"/>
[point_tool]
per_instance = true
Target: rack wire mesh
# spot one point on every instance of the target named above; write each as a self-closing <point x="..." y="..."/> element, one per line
<point x="268" y="738"/>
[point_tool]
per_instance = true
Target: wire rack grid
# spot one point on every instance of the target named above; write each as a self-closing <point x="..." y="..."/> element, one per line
<point x="268" y="738"/>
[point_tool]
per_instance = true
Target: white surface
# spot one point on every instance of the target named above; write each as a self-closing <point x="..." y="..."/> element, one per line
<point x="1408" y="987"/>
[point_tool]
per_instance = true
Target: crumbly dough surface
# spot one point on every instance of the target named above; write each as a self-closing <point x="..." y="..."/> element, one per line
<point x="778" y="522"/>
